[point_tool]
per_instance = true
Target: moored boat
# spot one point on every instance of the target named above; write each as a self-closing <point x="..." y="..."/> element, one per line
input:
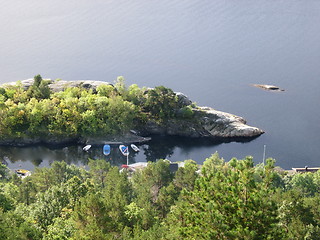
<point x="135" y="148"/>
<point x="106" y="149"/>
<point x="23" y="172"/>
<point x="124" y="150"/>
<point x="86" y="148"/>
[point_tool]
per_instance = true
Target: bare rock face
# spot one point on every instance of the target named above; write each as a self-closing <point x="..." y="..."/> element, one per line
<point x="221" y="124"/>
<point x="208" y="123"/>
<point x="60" y="85"/>
<point x="24" y="83"/>
<point x="183" y="99"/>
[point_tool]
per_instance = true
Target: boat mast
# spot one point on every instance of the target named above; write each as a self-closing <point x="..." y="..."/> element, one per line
<point x="128" y="156"/>
<point x="264" y="154"/>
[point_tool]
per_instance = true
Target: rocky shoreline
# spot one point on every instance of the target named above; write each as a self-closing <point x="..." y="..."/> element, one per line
<point x="208" y="123"/>
<point x="56" y="141"/>
<point x="205" y="123"/>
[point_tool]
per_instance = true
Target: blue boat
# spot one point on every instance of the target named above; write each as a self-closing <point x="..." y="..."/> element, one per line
<point x="106" y="149"/>
<point x="124" y="150"/>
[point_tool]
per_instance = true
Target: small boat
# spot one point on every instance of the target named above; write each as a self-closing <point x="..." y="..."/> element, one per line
<point x="106" y="149"/>
<point x="124" y="150"/>
<point x="134" y="132"/>
<point x="135" y="148"/>
<point x="23" y="172"/>
<point x="86" y="148"/>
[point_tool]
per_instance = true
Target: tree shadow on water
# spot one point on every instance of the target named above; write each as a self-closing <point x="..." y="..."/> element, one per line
<point x="162" y="147"/>
<point x="159" y="147"/>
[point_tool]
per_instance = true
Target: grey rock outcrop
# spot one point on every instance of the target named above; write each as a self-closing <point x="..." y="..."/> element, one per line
<point x="183" y="99"/>
<point x="57" y="86"/>
<point x="268" y="87"/>
<point x="222" y="124"/>
<point x="206" y="122"/>
<point x="60" y="85"/>
<point x="24" y="83"/>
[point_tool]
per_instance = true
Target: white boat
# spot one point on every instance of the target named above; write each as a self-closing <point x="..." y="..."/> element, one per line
<point x="124" y="150"/>
<point x="135" y="148"/>
<point x="86" y="148"/>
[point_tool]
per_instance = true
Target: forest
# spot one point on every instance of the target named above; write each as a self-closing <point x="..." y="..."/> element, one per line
<point x="77" y="112"/>
<point x="218" y="200"/>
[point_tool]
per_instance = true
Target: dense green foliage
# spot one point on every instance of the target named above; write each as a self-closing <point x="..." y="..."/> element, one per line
<point x="224" y="200"/>
<point x="80" y="112"/>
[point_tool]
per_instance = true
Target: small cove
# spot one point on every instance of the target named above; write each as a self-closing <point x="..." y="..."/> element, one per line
<point x="212" y="51"/>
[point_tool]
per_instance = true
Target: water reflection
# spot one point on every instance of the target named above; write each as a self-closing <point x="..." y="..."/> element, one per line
<point x="158" y="148"/>
<point x="164" y="147"/>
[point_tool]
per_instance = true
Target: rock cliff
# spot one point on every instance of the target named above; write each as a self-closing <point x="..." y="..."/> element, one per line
<point x="206" y="122"/>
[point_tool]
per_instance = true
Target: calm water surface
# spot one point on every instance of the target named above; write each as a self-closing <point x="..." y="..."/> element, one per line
<point x="210" y="50"/>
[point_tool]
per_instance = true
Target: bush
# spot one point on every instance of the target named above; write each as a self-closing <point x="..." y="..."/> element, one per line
<point x="186" y="112"/>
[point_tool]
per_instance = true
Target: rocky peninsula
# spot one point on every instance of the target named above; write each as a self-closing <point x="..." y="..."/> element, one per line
<point x="203" y="122"/>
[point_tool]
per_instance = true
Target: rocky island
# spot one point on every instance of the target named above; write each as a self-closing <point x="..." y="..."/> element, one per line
<point x="268" y="87"/>
<point x="58" y="112"/>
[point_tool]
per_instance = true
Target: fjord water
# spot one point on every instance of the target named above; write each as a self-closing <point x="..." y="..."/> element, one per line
<point x="210" y="50"/>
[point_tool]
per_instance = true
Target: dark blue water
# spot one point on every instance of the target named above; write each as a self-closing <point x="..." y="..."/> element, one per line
<point x="210" y="50"/>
